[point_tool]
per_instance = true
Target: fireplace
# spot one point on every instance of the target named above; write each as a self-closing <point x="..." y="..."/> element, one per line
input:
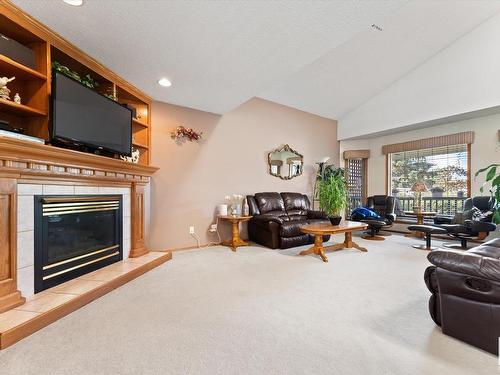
<point x="75" y="235"/>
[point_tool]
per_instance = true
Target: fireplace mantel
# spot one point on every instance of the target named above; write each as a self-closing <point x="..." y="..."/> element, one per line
<point x="28" y="160"/>
<point x="31" y="163"/>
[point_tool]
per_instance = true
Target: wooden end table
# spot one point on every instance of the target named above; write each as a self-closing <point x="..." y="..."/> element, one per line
<point x="420" y="221"/>
<point x="319" y="230"/>
<point x="236" y="240"/>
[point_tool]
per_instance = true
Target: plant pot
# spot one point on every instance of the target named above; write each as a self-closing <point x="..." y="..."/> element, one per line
<point x="334" y="219"/>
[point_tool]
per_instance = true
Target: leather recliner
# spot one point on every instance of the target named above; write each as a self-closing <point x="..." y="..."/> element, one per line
<point x="277" y="219"/>
<point x="384" y="205"/>
<point x="465" y="287"/>
<point x="483" y="203"/>
<point x="475" y="228"/>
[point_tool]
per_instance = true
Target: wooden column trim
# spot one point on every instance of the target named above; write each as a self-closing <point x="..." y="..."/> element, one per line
<point x="469" y="171"/>
<point x="10" y="297"/>
<point x="138" y="246"/>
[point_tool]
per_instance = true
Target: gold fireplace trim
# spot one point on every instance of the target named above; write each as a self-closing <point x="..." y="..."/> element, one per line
<point x="79" y="266"/>
<point x="52" y="200"/>
<point x="71" y="204"/>
<point x="72" y="208"/>
<point x="79" y="257"/>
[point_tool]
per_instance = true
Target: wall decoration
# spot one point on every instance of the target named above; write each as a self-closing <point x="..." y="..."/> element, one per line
<point x="4" y="91"/>
<point x="285" y="163"/>
<point x="182" y="133"/>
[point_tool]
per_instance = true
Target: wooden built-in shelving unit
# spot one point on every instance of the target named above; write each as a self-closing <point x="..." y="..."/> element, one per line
<point x="24" y="162"/>
<point x="34" y="85"/>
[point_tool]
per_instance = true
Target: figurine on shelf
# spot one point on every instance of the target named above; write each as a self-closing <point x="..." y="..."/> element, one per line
<point x="17" y="98"/>
<point x="4" y="91"/>
<point x="134" y="158"/>
<point x="135" y="155"/>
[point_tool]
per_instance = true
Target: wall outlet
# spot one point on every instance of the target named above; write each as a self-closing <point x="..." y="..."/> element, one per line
<point x="191" y="229"/>
<point x="213" y="228"/>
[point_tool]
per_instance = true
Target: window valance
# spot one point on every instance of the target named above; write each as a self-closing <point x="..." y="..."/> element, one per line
<point x="419" y="144"/>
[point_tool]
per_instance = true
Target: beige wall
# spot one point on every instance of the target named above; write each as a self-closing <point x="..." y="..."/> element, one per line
<point x="232" y="158"/>
<point x="485" y="150"/>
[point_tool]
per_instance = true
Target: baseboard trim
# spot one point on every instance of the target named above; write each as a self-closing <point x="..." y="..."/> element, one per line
<point x="185" y="248"/>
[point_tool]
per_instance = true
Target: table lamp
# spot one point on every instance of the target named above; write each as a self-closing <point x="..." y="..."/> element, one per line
<point x="418" y="188"/>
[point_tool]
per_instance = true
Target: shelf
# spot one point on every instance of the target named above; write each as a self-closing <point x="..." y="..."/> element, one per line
<point x="19" y="109"/>
<point x="11" y="68"/>
<point x="140" y="145"/>
<point x="140" y="123"/>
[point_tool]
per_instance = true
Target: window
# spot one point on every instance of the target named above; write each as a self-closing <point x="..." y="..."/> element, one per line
<point x="356" y="183"/>
<point x="444" y="170"/>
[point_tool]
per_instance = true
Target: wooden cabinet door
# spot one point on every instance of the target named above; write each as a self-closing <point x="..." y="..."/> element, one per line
<point x="9" y="295"/>
<point x="138" y="246"/>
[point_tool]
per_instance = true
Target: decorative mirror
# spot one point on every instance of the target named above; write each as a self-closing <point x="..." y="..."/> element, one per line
<point x="285" y="163"/>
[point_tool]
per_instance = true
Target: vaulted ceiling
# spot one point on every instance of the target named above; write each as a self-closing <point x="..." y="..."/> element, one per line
<point x="321" y="57"/>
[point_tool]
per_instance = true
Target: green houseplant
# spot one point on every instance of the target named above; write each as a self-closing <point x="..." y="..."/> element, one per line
<point x="493" y="184"/>
<point x="332" y="191"/>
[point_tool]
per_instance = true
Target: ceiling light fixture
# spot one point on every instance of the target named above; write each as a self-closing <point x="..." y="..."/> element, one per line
<point x="75" y="3"/>
<point x="165" y="82"/>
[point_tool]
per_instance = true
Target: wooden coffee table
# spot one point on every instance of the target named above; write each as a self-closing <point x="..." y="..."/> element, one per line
<point x="236" y="240"/>
<point x="319" y="230"/>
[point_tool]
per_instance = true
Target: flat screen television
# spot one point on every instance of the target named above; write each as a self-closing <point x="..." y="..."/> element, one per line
<point x="83" y="117"/>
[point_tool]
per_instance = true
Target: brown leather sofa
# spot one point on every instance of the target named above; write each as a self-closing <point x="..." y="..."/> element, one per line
<point x="277" y="219"/>
<point x="465" y="287"/>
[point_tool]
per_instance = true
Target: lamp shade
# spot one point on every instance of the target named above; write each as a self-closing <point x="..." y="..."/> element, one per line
<point x="419" y="187"/>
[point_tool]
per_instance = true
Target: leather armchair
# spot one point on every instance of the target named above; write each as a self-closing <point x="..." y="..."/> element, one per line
<point x="483" y="203"/>
<point x="475" y="228"/>
<point x="384" y="205"/>
<point x="277" y="219"/>
<point x="465" y="289"/>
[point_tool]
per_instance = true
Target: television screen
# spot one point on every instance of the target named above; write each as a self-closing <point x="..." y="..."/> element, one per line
<point x="82" y="116"/>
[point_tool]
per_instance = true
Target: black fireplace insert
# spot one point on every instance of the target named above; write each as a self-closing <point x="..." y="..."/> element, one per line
<point x="75" y="235"/>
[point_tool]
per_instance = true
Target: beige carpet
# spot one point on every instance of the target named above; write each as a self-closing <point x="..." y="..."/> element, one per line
<point x="258" y="311"/>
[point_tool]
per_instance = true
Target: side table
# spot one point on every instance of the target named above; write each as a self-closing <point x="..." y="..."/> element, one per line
<point x="236" y="240"/>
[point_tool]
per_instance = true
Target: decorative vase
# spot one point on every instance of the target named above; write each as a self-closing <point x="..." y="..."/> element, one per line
<point x="335" y="219"/>
<point x="235" y="209"/>
<point x="246" y="208"/>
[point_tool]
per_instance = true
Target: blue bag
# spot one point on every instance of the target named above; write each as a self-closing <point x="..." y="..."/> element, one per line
<point x="362" y="213"/>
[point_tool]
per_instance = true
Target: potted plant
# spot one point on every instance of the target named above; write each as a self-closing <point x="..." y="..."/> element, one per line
<point x="493" y="184"/>
<point x="332" y="192"/>
<point x="437" y="191"/>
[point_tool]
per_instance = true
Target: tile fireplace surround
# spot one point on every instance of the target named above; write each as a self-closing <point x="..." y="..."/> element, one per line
<point x="25" y="224"/>
<point x="28" y="169"/>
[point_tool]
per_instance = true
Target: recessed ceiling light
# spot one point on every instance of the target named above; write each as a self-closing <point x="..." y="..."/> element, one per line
<point x="75" y="3"/>
<point x="165" y="82"/>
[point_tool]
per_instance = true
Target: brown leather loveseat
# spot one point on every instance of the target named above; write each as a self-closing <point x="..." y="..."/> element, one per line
<point x="465" y="287"/>
<point x="277" y="219"/>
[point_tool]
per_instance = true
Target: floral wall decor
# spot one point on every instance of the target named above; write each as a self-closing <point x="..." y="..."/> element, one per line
<point x="181" y="133"/>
